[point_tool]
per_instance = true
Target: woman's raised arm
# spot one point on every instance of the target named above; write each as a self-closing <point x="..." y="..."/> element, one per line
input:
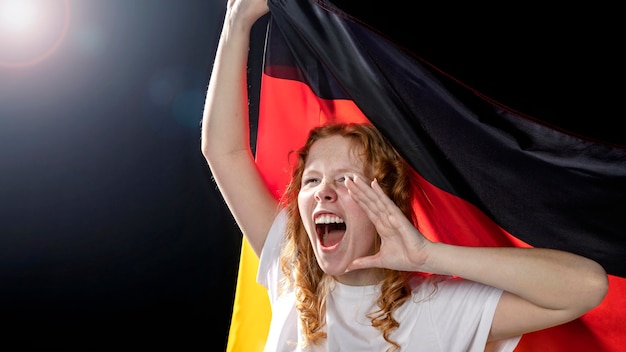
<point x="225" y="126"/>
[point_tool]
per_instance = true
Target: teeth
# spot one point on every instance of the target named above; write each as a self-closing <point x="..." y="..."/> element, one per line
<point x="328" y="219"/>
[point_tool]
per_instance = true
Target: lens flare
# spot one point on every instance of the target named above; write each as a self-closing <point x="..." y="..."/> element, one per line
<point x="31" y="30"/>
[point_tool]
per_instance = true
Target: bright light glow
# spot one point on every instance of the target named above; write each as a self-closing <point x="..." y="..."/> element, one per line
<point x="17" y="15"/>
<point x="31" y="30"/>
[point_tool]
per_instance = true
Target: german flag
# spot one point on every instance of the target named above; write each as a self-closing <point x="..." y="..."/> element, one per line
<point x="491" y="176"/>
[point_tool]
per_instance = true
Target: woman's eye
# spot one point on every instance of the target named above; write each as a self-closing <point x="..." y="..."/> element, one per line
<point x="310" y="181"/>
<point x="341" y="181"/>
<point x="343" y="178"/>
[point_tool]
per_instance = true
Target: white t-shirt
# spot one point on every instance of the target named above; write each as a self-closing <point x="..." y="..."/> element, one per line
<point x="456" y="318"/>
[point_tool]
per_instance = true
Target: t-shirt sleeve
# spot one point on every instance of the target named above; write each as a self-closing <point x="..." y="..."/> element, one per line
<point x="467" y="308"/>
<point x="269" y="271"/>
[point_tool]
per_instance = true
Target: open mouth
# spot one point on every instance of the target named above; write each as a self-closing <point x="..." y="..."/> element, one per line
<point x="330" y="229"/>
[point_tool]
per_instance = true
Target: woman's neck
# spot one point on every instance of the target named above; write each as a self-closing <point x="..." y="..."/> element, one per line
<point x="363" y="277"/>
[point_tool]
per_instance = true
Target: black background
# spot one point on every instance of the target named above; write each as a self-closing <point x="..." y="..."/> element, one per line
<point x="111" y="231"/>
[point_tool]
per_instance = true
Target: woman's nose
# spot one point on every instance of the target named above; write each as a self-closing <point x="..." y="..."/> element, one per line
<point x="325" y="192"/>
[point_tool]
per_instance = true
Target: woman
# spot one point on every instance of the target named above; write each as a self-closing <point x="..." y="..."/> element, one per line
<point x="344" y="263"/>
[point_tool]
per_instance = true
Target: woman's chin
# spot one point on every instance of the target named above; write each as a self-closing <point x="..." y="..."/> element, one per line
<point x="333" y="268"/>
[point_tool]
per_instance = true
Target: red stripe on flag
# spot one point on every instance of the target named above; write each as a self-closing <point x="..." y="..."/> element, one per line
<point x="288" y="110"/>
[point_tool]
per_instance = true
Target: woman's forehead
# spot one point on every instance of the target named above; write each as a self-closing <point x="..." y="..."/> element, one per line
<point x="335" y="151"/>
<point x="335" y="145"/>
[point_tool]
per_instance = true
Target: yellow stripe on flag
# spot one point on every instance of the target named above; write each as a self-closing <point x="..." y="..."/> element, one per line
<point x="250" y="321"/>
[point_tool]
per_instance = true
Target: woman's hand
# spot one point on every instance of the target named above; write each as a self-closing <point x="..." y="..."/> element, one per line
<point x="403" y="247"/>
<point x="247" y="11"/>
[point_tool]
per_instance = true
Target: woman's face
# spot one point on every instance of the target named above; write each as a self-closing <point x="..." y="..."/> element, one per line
<point x="338" y="228"/>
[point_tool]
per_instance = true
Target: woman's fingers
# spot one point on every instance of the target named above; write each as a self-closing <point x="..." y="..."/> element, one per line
<point x="378" y="206"/>
<point x="368" y="198"/>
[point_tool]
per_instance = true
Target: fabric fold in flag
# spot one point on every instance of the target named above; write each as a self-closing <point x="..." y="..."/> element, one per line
<point x="489" y="176"/>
